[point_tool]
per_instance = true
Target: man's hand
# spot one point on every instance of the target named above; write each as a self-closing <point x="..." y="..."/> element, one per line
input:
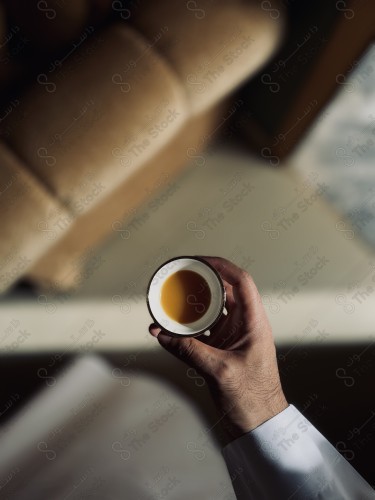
<point x="238" y="360"/>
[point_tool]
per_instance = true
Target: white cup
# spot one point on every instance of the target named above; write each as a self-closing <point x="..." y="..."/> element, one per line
<point x="214" y="311"/>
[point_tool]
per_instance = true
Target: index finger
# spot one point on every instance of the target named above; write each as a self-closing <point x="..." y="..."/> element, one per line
<point x="244" y="288"/>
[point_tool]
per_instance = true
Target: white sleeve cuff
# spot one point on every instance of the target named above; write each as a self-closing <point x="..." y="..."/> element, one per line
<point x="287" y="458"/>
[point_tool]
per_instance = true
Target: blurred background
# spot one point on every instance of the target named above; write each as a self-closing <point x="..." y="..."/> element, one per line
<point x="133" y="132"/>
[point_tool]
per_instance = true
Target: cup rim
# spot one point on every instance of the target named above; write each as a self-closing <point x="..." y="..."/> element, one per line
<point x="223" y="300"/>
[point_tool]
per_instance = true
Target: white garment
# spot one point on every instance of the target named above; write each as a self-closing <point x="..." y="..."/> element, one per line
<point x="286" y="458"/>
<point x="102" y="433"/>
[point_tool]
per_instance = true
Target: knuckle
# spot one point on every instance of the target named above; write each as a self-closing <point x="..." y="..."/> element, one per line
<point x="225" y="372"/>
<point x="186" y="349"/>
<point x="243" y="276"/>
<point x="250" y="282"/>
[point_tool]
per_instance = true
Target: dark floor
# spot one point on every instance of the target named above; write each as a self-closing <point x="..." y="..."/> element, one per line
<point x="332" y="385"/>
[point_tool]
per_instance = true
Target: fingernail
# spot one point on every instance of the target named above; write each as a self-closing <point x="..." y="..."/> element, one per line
<point x="153" y="330"/>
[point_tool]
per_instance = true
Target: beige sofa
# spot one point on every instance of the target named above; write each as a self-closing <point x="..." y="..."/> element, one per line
<point x="123" y="107"/>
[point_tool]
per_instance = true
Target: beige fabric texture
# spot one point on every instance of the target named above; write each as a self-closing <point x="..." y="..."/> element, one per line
<point x="28" y="217"/>
<point x="62" y="265"/>
<point x="87" y="125"/>
<point x="100" y="126"/>
<point x="213" y="46"/>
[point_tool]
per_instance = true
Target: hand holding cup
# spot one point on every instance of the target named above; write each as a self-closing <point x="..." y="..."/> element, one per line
<point x="238" y="359"/>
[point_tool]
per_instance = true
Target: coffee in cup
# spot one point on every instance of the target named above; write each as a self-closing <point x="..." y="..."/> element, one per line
<point x="186" y="296"/>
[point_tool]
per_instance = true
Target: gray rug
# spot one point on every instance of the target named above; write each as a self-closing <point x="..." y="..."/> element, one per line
<point x="340" y="148"/>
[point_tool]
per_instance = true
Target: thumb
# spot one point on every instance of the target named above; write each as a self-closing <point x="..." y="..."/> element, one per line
<point x="206" y="359"/>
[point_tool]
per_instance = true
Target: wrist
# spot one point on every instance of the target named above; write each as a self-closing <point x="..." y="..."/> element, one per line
<point x="244" y="418"/>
